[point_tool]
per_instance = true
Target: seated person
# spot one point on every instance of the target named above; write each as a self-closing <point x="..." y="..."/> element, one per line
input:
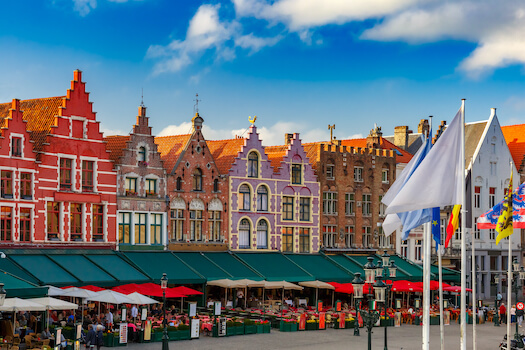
<point x="46" y="334"/>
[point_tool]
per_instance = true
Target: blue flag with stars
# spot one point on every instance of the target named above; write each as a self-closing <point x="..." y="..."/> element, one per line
<point x="436" y="226"/>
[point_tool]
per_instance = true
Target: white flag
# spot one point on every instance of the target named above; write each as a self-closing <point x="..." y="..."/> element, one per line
<point x="437" y="180"/>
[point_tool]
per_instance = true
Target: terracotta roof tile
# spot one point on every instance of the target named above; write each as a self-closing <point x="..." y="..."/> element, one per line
<point x="40" y="116"/>
<point x="116" y="145"/>
<point x="224" y="152"/>
<point x="275" y="155"/>
<point x="402" y="156"/>
<point x="170" y="149"/>
<point x="515" y="138"/>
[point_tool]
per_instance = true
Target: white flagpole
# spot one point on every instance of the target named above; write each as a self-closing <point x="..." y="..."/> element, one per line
<point x="463" y="302"/>
<point x="509" y="275"/>
<point x="426" y="285"/>
<point x="474" y="278"/>
<point x="441" y="311"/>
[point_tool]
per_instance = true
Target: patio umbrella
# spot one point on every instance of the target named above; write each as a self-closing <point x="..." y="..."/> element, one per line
<point x="54" y="304"/>
<point x="184" y="290"/>
<point x="93" y="288"/>
<point x="281" y="285"/>
<point x="128" y="288"/>
<point x="317" y="284"/>
<point x="140" y="299"/>
<point x="224" y="283"/>
<point x="78" y="293"/>
<point x="112" y="297"/>
<point x="16" y="304"/>
<point x="54" y="291"/>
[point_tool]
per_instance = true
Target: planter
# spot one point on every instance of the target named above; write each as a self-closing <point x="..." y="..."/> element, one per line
<point x="434" y="320"/>
<point x="156" y="336"/>
<point x="173" y="335"/>
<point x="183" y="334"/>
<point x="266" y="328"/>
<point x="312" y="326"/>
<point x="234" y="330"/>
<point x="349" y="324"/>
<point x="250" y="329"/>
<point x="288" y="326"/>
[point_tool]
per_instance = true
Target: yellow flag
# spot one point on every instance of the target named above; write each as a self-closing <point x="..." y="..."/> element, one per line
<point x="504" y="226"/>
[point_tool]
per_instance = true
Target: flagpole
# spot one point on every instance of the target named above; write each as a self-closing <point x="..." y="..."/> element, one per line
<point x="426" y="285"/>
<point x="509" y="271"/>
<point x="463" y="302"/>
<point x="441" y="311"/>
<point x="474" y="278"/>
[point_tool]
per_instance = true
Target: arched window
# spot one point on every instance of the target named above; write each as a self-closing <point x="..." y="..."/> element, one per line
<point x="244" y="234"/>
<point x="253" y="164"/>
<point x="179" y="184"/>
<point x="262" y="234"/>
<point x="197" y="179"/>
<point x="216" y="185"/>
<point x="244" y="197"/>
<point x="262" y="198"/>
<point x="142" y="154"/>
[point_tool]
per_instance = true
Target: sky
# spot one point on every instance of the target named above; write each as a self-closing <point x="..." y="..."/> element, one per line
<point x="298" y="65"/>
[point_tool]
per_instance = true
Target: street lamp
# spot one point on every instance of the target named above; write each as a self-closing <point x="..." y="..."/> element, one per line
<point x="497" y="301"/>
<point x="357" y="283"/>
<point x="517" y="275"/>
<point x="388" y="268"/>
<point x="164" y="285"/>
<point x="370" y="317"/>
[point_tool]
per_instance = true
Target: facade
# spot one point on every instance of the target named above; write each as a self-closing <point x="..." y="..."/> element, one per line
<point x="197" y="192"/>
<point x="354" y="175"/>
<point x="58" y="188"/>
<point x="141" y="188"/>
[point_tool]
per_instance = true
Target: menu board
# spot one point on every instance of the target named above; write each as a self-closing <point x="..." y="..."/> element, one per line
<point x="195" y="326"/>
<point x="123" y="330"/>
<point x="222" y="327"/>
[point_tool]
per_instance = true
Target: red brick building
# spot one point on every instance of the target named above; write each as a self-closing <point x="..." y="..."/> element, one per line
<point x="57" y="182"/>
<point x="141" y="188"/>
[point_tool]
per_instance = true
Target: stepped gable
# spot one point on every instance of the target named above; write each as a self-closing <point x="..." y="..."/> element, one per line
<point x="116" y="145"/>
<point x="402" y="156"/>
<point x="515" y="139"/>
<point x="224" y="152"/>
<point x="170" y="149"/>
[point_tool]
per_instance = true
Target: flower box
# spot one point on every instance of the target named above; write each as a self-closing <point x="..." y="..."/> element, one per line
<point x="312" y="326"/>
<point x="287" y="326"/>
<point x="263" y="328"/>
<point x="183" y="334"/>
<point x="234" y="330"/>
<point x="349" y="324"/>
<point x="250" y="329"/>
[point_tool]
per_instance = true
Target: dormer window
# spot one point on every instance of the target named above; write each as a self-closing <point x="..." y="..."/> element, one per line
<point x="253" y="164"/>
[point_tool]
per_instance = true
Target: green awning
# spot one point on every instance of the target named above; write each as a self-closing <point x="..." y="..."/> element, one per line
<point x="349" y="264"/>
<point x="14" y="282"/>
<point x="321" y="268"/>
<point x="83" y="269"/>
<point x="204" y="266"/>
<point x="118" y="268"/>
<point x="10" y="267"/>
<point x="406" y="270"/>
<point x="275" y="267"/>
<point x="235" y="267"/>
<point x="449" y="275"/>
<point x="157" y="263"/>
<point x="44" y="269"/>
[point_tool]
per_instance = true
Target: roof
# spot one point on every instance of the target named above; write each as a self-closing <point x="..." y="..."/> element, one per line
<point x="116" y="145"/>
<point x="402" y="156"/>
<point x="276" y="155"/>
<point x="515" y="138"/>
<point x="40" y="116"/>
<point x="224" y="152"/>
<point x="414" y="142"/>
<point x="473" y="133"/>
<point x="170" y="149"/>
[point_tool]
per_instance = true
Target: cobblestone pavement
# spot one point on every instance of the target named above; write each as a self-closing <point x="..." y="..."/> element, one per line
<point x="407" y="337"/>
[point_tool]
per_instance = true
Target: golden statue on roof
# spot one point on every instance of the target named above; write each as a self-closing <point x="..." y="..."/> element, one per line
<point x="252" y="120"/>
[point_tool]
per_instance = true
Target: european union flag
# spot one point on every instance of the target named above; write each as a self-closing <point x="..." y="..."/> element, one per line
<point x="436" y="226"/>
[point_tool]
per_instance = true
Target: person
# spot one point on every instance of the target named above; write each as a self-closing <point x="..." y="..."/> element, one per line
<point x="46" y="334"/>
<point x="99" y="336"/>
<point x="503" y="313"/>
<point x="240" y="298"/>
<point x="513" y="314"/>
<point x="91" y="337"/>
<point x="134" y="312"/>
<point x="519" y="316"/>
<point x="109" y="319"/>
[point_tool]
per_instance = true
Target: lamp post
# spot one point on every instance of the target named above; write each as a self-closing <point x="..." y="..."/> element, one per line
<point x="164" y="285"/>
<point x="357" y="283"/>
<point x="386" y="268"/>
<point x="370" y="317"/>
<point x="497" y="301"/>
<point x="517" y="275"/>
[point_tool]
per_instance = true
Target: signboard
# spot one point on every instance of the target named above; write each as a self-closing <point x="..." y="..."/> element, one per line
<point x="342" y="320"/>
<point x="398" y="303"/>
<point x="302" y="322"/>
<point x="338" y="306"/>
<point x="222" y="327"/>
<point x="417" y="303"/>
<point x="79" y="331"/>
<point x="123" y="313"/>
<point x="192" y="310"/>
<point x="147" y="330"/>
<point x="322" y="320"/>
<point x="397" y="319"/>
<point x="123" y="333"/>
<point x="520" y="305"/>
<point x="195" y="327"/>
<point x="58" y="337"/>
<point x="217" y="308"/>
<point x="445" y="303"/>
<point x="144" y="314"/>
<point x="319" y="306"/>
<point x="446" y="318"/>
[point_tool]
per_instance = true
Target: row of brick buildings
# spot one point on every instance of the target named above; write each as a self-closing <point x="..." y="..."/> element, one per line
<point x="65" y="185"/>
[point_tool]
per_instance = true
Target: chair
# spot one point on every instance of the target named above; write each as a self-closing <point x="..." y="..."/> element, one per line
<point x="14" y="347"/>
<point x="29" y="341"/>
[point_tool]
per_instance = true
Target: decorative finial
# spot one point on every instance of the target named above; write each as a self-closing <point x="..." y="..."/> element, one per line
<point x="252" y="120"/>
<point x="196" y="106"/>
<point x="142" y="98"/>
<point x="331" y="128"/>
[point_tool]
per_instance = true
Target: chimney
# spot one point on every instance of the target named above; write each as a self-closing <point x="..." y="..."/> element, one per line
<point x="288" y="139"/>
<point x="373" y="139"/>
<point x="401" y="136"/>
<point x="423" y="127"/>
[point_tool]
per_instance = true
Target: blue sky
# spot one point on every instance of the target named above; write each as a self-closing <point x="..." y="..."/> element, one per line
<point x="296" y="64"/>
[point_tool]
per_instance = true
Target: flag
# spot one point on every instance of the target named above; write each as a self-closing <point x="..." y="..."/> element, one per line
<point x="436" y="182"/>
<point x="453" y="224"/>
<point x="490" y="218"/>
<point x="504" y="226"/>
<point x="436" y="226"/>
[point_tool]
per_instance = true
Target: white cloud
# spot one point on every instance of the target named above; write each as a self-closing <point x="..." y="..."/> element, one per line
<point x="84" y="7"/>
<point x="254" y="43"/>
<point x="355" y="136"/>
<point x="109" y="132"/>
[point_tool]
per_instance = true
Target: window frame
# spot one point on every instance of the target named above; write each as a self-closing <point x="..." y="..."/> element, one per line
<point x="25" y="232"/>
<point x="66" y="170"/>
<point x="297" y="174"/>
<point x="288" y="208"/>
<point x="177" y="225"/>
<point x="253" y="165"/>
<point x="304" y="240"/>
<point x="140" y="228"/>
<point x="245" y="228"/>
<point x="287" y="239"/>
<point x="350" y="204"/>
<point x="262" y="234"/>
<point x="304" y="209"/>
<point x="245" y="194"/>
<point x="358" y="173"/>
<point x="122" y="225"/>
<point x="26" y="186"/>
<point x="97" y="226"/>
<point x="262" y="198"/>
<point x="75" y="222"/>
<point x="366" y="205"/>
<point x="329" y="236"/>
<point x="149" y="182"/>
<point x="6" y="224"/>
<point x="16" y="146"/>
<point x="196" y="221"/>
<point x="6" y="184"/>
<point x="130" y="185"/>
<point x="330" y="171"/>
<point x="329" y="203"/>
<point x="350" y="236"/>
<point x="155" y="229"/>
<point x="53" y="212"/>
<point x="215" y="223"/>
<point x="88" y="176"/>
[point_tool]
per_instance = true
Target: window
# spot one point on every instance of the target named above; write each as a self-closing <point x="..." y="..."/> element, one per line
<point x="25" y="225"/>
<point x="329" y="236"/>
<point x="253" y="164"/>
<point x="330" y="203"/>
<point x="297" y="174"/>
<point x="384" y="241"/>
<point x="367" y="237"/>
<point x="195" y="225"/>
<point x="476" y="229"/>
<point x="492" y="197"/>
<point x="214" y="221"/>
<point x="6" y="184"/>
<point x="384" y="176"/>
<point x="98" y="223"/>
<point x="304" y="209"/>
<point x="349" y="204"/>
<point x="443" y="229"/>
<point x="330" y="171"/>
<point x="65" y="174"/>
<point x="287" y="208"/>
<point x="304" y="240"/>
<point x="156" y="229"/>
<point x="87" y="176"/>
<point x="287" y="237"/>
<point x="124" y="228"/>
<point x="140" y="228"/>
<point x="6" y="224"/>
<point x="142" y="154"/>
<point x="262" y="234"/>
<point x="367" y="205"/>
<point x="349" y="236"/>
<point x="177" y="224"/>
<point x="179" y="184"/>
<point x="131" y="185"/>
<point x="216" y="185"/>
<point x="244" y="234"/>
<point x="492" y="234"/>
<point x="457" y="235"/>
<point x="404" y="249"/>
<point x="25" y="186"/>
<point x="418" y="250"/>
<point x="75" y="222"/>
<point x="197" y="179"/>
<point x="358" y="174"/>
<point x="262" y="198"/>
<point x="151" y="186"/>
<point x="244" y="197"/>
<point x="477" y="197"/>
<point x="53" y="212"/>
<point x="16" y="144"/>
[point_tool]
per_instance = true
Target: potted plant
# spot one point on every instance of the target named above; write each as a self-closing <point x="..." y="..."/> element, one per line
<point x="183" y="332"/>
<point x="249" y="326"/>
<point x="312" y="325"/>
<point x="263" y="326"/>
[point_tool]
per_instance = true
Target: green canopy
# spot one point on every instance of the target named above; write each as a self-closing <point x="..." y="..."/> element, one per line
<point x="204" y="266"/>
<point x="275" y="267"/>
<point x="321" y="267"/>
<point x="235" y="267"/>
